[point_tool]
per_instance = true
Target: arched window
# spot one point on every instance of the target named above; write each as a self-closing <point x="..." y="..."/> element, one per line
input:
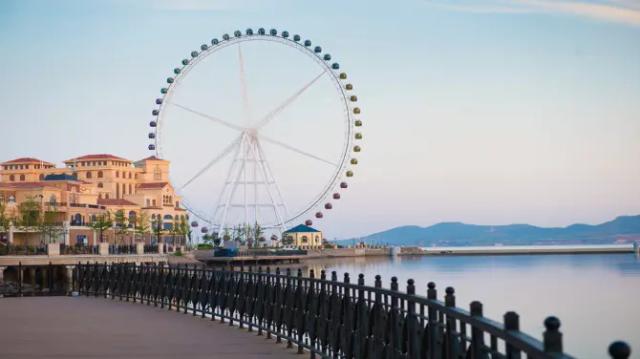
<point x="167" y="222"/>
<point x="12" y="199"/>
<point x="93" y="218"/>
<point x="132" y="218"/>
<point x="76" y="220"/>
<point x="89" y="175"/>
<point x="100" y="185"/>
<point x="305" y="239"/>
<point x="53" y="200"/>
<point x="22" y="178"/>
<point x="100" y="174"/>
<point x="12" y="178"/>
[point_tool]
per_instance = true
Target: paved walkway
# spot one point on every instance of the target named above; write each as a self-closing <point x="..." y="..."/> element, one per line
<point x="80" y="327"/>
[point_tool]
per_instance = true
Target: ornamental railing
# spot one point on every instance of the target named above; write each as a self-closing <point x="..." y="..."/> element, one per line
<point x="327" y="317"/>
<point x="22" y="250"/>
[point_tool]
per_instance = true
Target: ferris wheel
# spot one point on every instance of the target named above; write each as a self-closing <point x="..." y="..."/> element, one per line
<point x="263" y="128"/>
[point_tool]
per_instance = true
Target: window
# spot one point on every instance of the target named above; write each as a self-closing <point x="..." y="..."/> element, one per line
<point x="12" y="178"/>
<point x="53" y="200"/>
<point x="130" y="191"/>
<point x="89" y="175"/>
<point x="148" y="202"/>
<point x="12" y="199"/>
<point x="168" y="222"/>
<point x="100" y="174"/>
<point x="129" y="175"/>
<point x="154" y="202"/>
<point x="22" y="178"/>
<point x="106" y="196"/>
<point x="305" y="239"/>
<point x="117" y="174"/>
<point x="41" y="177"/>
<point x="177" y="204"/>
<point x="100" y="185"/>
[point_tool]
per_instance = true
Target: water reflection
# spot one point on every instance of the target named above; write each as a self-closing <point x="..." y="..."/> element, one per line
<point x="595" y="295"/>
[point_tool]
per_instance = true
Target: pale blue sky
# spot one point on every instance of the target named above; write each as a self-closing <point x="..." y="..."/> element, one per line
<point x="485" y="112"/>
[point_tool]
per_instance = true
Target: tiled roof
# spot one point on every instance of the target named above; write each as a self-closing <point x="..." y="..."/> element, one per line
<point x="115" y="202"/>
<point x="153" y="185"/>
<point x="101" y="156"/>
<point x="151" y="158"/>
<point x="61" y="177"/>
<point x="301" y="228"/>
<point x="22" y="184"/>
<point x="26" y="160"/>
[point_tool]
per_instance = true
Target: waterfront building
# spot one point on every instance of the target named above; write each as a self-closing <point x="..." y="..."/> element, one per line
<point x="87" y="187"/>
<point x="303" y="236"/>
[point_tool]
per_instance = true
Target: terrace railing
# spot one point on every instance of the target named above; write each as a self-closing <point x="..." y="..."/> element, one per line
<point x="19" y="250"/>
<point x="326" y="317"/>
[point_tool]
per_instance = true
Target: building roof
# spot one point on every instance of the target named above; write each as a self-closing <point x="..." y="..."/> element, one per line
<point x="152" y="158"/>
<point x="152" y="185"/>
<point x="301" y="229"/>
<point x="22" y="185"/>
<point x="61" y="177"/>
<point x="101" y="156"/>
<point x="26" y="160"/>
<point x="115" y="202"/>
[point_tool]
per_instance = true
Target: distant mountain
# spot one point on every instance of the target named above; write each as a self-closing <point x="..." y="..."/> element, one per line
<point x="621" y="229"/>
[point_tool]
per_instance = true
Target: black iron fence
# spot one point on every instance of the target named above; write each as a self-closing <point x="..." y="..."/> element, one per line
<point x="20" y="250"/>
<point x="35" y="280"/>
<point x="67" y="249"/>
<point x="327" y="317"/>
<point x="150" y="248"/>
<point x="122" y="249"/>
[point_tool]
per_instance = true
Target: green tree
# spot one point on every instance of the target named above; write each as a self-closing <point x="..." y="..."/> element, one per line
<point x="101" y="224"/>
<point x="122" y="223"/>
<point x="30" y="212"/>
<point x="5" y="221"/>
<point x="142" y="226"/>
<point x="184" y="230"/>
<point x="49" y="226"/>
<point x="258" y="234"/>
<point x="158" y="231"/>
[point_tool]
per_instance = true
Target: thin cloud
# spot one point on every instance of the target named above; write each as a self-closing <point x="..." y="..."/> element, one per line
<point x="618" y="11"/>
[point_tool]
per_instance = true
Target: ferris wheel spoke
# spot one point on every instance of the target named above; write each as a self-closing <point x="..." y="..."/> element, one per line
<point x="244" y="87"/>
<point x="220" y="156"/>
<point x="299" y="151"/>
<point x="271" y="115"/>
<point x="208" y="117"/>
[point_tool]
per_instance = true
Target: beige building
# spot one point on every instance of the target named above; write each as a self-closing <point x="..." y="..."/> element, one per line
<point x="303" y="237"/>
<point x="88" y="186"/>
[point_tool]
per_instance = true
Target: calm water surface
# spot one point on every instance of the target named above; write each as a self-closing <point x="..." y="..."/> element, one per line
<point x="596" y="296"/>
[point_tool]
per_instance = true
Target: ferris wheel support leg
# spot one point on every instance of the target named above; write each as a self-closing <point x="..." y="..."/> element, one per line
<point x="275" y="183"/>
<point x="261" y="161"/>
<point x="235" y="175"/>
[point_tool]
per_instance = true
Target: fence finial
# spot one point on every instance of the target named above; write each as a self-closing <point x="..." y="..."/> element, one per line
<point x="450" y="298"/>
<point x="552" y="336"/>
<point x="475" y="308"/>
<point x="431" y="291"/>
<point x="619" y="350"/>
<point x="511" y="321"/>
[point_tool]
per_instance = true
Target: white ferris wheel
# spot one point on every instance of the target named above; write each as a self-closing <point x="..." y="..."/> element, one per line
<point x="261" y="128"/>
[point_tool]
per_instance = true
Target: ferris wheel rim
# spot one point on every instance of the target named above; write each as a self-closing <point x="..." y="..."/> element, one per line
<point x="336" y="78"/>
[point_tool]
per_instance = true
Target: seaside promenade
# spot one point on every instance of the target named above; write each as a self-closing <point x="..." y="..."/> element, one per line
<point x="87" y="327"/>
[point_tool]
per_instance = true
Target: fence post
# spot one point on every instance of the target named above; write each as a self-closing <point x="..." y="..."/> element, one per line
<point x="414" y="334"/>
<point x="552" y="336"/>
<point x="433" y="327"/>
<point x="512" y="323"/>
<point x="619" y="350"/>
<point x="451" y="344"/>
<point x="477" y="336"/>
